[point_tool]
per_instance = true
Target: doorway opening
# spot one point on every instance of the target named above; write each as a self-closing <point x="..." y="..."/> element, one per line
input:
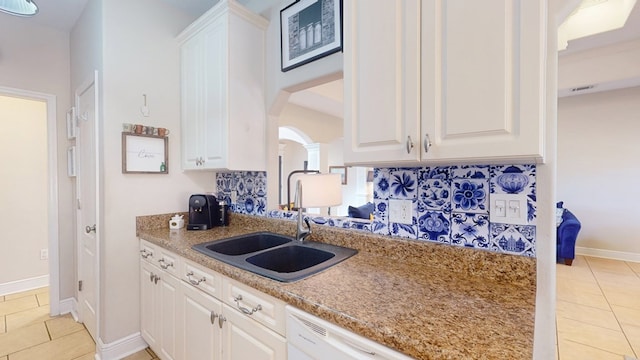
<point x="29" y="191"/>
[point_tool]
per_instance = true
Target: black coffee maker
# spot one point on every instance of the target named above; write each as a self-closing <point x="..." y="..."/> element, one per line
<point x="204" y="212"/>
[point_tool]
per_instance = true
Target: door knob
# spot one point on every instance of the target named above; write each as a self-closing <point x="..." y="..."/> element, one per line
<point x="89" y="229"/>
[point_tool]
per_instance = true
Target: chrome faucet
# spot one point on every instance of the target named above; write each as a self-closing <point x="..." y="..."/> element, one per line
<point x="301" y="232"/>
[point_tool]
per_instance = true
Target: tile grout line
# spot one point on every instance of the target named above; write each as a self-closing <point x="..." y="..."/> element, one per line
<point x="613" y="312"/>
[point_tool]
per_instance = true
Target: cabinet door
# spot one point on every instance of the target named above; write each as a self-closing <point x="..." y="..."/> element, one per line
<point x="148" y="304"/>
<point x="483" y="79"/>
<point x="169" y="313"/>
<point x="243" y="338"/>
<point x="201" y="333"/>
<point x="381" y="80"/>
<point x="215" y="127"/>
<point x="192" y="67"/>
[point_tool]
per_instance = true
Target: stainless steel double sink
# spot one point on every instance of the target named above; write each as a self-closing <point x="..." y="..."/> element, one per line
<point x="275" y="256"/>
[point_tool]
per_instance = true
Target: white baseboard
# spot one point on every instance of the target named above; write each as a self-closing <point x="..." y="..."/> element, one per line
<point x="608" y="254"/>
<point x="67" y="306"/>
<point x="24" y="285"/>
<point x="120" y="348"/>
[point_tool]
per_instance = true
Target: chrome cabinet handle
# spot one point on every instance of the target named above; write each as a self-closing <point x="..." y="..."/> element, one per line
<point x="244" y="309"/>
<point x="213" y="317"/>
<point x="154" y="278"/>
<point x="221" y="320"/>
<point x="409" y="145"/>
<point x="194" y="282"/>
<point x="145" y="254"/>
<point x="165" y="265"/>
<point x="427" y="143"/>
<point x="88" y="229"/>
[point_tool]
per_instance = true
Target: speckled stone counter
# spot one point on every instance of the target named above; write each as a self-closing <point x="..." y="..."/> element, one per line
<point x="426" y="300"/>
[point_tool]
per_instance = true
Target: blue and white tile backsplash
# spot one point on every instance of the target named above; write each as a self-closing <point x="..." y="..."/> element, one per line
<point x="451" y="204"/>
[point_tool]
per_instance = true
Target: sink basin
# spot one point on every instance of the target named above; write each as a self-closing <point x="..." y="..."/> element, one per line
<point x="290" y="259"/>
<point x="275" y="256"/>
<point x="245" y="244"/>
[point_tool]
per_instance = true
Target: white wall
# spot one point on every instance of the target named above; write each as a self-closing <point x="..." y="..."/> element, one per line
<point x="36" y="58"/>
<point x="23" y="188"/>
<point x="320" y="127"/>
<point x="133" y="45"/>
<point x="598" y="167"/>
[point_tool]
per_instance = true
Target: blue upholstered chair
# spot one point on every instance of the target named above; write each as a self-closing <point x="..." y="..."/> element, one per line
<point x="567" y="234"/>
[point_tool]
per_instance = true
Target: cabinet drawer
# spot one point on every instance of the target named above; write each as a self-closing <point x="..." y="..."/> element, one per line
<point x="259" y="306"/>
<point x="201" y="278"/>
<point x="148" y="252"/>
<point x="167" y="261"/>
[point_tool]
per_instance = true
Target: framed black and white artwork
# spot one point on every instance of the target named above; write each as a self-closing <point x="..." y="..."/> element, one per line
<point x="309" y="30"/>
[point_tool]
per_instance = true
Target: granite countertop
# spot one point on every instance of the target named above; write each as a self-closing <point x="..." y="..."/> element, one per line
<point x="426" y="300"/>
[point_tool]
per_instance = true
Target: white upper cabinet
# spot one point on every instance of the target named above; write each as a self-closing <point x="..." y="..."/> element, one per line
<point x="223" y="107"/>
<point x="381" y="80"/>
<point x="481" y="80"/>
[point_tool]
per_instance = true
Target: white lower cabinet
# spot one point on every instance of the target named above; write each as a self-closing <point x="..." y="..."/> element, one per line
<point x="185" y="319"/>
<point x="159" y="310"/>
<point x="243" y="338"/>
<point x="200" y="324"/>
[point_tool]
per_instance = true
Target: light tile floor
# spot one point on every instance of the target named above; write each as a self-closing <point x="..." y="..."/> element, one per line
<point x="598" y="309"/>
<point x="598" y="317"/>
<point x="27" y="332"/>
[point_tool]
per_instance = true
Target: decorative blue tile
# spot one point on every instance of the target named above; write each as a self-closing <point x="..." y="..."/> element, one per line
<point x="435" y="194"/>
<point x="470" y="172"/>
<point x="403" y="183"/>
<point x="469" y="196"/>
<point x="513" y="179"/>
<point x="381" y="210"/>
<point x="434" y="226"/>
<point x="437" y="172"/>
<point x="381" y="184"/>
<point x="471" y="230"/>
<point x="403" y="230"/>
<point x="379" y="227"/>
<point x="513" y="239"/>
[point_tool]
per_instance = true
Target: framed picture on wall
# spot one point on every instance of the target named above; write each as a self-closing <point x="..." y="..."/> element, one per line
<point x="144" y="154"/>
<point x="342" y="170"/>
<point x="309" y="30"/>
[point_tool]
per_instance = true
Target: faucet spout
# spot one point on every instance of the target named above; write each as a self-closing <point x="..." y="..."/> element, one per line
<point x="301" y="231"/>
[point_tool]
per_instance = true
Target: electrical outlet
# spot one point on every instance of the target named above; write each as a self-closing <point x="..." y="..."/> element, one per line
<point x="234" y="196"/>
<point x="44" y="254"/>
<point x="401" y="211"/>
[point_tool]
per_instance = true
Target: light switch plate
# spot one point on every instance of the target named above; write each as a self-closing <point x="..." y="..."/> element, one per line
<point x="508" y="209"/>
<point x="401" y="211"/>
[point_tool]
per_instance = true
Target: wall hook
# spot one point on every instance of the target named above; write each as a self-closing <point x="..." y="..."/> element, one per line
<point x="144" y="109"/>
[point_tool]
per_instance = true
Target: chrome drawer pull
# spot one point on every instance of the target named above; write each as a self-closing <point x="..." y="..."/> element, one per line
<point x="213" y="317"/>
<point x="244" y="309"/>
<point x="194" y="282"/>
<point x="165" y="265"/>
<point x="145" y="254"/>
<point x="221" y="320"/>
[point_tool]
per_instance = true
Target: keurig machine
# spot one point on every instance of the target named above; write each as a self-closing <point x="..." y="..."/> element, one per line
<point x="204" y="212"/>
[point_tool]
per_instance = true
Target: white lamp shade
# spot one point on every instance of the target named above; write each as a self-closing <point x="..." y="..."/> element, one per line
<point x="320" y="190"/>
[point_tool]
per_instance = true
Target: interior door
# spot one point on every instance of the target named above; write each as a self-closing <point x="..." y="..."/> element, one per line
<point x="87" y="232"/>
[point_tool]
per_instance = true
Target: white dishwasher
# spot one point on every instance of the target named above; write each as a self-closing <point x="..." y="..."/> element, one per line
<point x="311" y="338"/>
